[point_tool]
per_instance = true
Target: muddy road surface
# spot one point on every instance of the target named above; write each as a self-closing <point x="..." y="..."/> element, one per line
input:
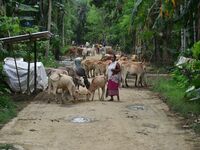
<point x="140" y="121"/>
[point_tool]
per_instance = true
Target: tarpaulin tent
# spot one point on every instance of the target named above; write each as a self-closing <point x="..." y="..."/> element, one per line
<point x="12" y="78"/>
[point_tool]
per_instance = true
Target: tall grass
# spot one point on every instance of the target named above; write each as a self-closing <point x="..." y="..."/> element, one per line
<point x="174" y="95"/>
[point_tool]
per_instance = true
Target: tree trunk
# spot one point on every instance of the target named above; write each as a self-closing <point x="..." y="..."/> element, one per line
<point x="42" y="22"/>
<point x="2" y="8"/>
<point x="49" y="26"/>
<point x="63" y="29"/>
<point x="198" y="23"/>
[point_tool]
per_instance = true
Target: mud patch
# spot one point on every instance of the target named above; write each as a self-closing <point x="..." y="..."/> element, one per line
<point x="150" y="125"/>
<point x="44" y="97"/>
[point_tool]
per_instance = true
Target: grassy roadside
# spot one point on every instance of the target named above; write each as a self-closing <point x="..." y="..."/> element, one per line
<point x="7" y="109"/>
<point x="10" y="106"/>
<point x="174" y="97"/>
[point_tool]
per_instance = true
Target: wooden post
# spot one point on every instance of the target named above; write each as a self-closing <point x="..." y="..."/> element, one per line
<point x="17" y="74"/>
<point x="28" y="73"/>
<point x="35" y="66"/>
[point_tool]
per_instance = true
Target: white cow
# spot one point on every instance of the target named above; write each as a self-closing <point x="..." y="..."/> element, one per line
<point x="64" y="82"/>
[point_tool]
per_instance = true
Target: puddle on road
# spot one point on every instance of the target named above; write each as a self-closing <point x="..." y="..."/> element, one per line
<point x="81" y="119"/>
<point x="136" y="107"/>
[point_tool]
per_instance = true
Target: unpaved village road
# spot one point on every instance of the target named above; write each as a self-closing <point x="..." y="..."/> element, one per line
<point x="113" y="126"/>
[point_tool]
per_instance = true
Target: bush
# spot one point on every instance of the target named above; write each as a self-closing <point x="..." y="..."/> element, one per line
<point x="196" y="50"/>
<point x="48" y="62"/>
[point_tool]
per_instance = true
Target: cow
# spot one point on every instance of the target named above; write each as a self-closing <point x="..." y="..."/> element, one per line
<point x="133" y="68"/>
<point x="134" y="58"/>
<point x="64" y="82"/>
<point x="78" y="81"/>
<point x="72" y="51"/>
<point x="89" y="66"/>
<point x="101" y="67"/>
<point x="50" y="71"/>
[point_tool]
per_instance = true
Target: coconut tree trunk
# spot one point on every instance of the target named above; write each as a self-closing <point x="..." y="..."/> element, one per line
<point x="49" y="25"/>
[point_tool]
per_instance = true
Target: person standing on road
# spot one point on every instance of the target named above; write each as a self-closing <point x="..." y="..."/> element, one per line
<point x="114" y="78"/>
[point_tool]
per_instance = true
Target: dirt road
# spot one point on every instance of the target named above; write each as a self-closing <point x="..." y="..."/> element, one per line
<point x="141" y="121"/>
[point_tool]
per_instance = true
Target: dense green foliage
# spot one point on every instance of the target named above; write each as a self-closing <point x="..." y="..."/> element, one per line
<point x="187" y="75"/>
<point x="159" y="31"/>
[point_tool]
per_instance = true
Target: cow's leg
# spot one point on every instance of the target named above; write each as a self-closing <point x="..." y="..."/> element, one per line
<point x="99" y="93"/>
<point x="49" y="86"/>
<point x="126" y="80"/>
<point x="72" y="94"/>
<point x="88" y="73"/>
<point x="54" y="86"/>
<point x="138" y="79"/>
<point x="141" y="81"/>
<point x="103" y="92"/>
<point x="123" y="79"/>
<point x="62" y="97"/>
<point x="55" y="89"/>
<point x="93" y="95"/>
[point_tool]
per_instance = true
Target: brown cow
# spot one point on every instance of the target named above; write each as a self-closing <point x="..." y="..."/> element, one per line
<point x="89" y="66"/>
<point x="72" y="52"/>
<point x="133" y="68"/>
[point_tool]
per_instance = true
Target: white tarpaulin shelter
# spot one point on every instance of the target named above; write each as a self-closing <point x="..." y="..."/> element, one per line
<point x="182" y="60"/>
<point x="10" y="70"/>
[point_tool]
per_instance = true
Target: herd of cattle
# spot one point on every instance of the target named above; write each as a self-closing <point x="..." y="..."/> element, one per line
<point x="66" y="79"/>
<point x="84" y="51"/>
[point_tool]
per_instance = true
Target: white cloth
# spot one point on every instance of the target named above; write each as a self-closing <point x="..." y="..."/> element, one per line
<point x="110" y="67"/>
<point x="9" y="69"/>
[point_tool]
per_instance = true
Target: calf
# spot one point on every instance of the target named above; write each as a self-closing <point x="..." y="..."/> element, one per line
<point x="98" y="82"/>
<point x="83" y="92"/>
